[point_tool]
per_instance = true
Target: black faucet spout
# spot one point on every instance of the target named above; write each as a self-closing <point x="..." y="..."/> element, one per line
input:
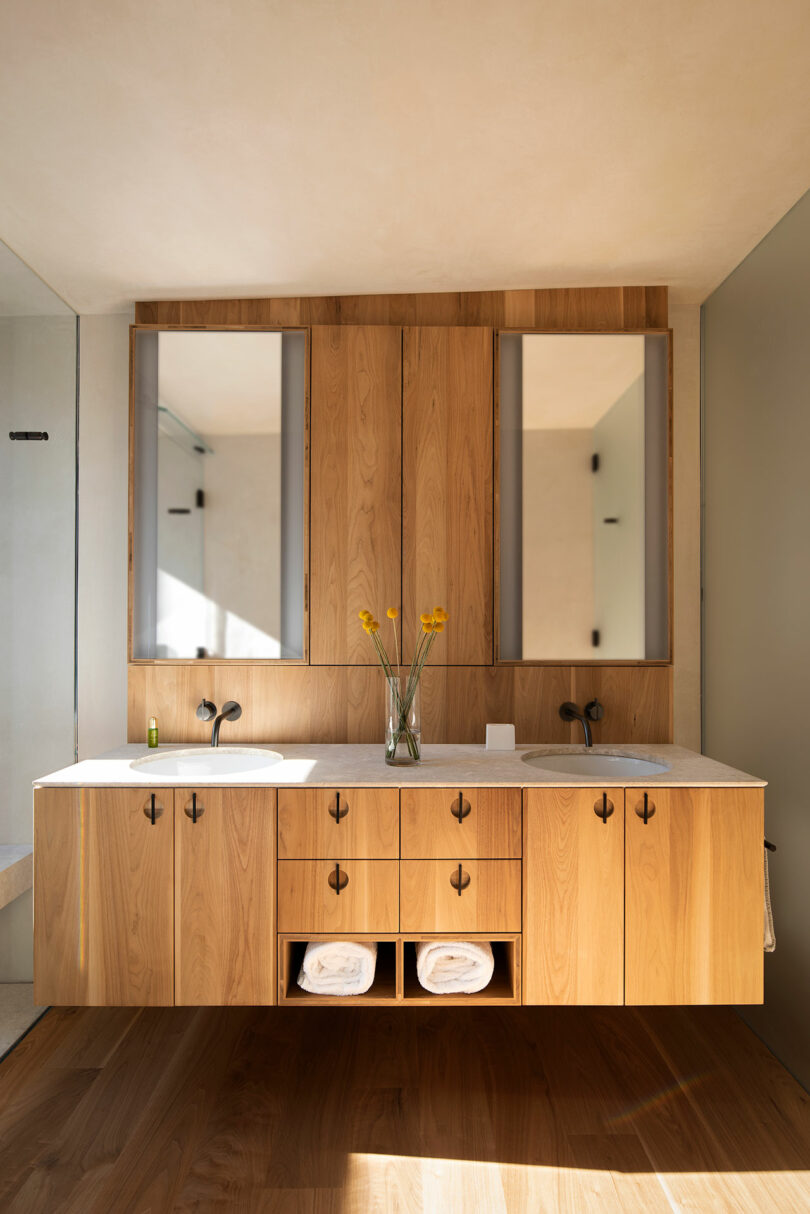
<point x="230" y="712"/>
<point x="570" y="712"/>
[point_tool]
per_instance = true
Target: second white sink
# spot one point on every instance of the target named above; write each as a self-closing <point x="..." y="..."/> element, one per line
<point x="584" y="764"/>
<point x="211" y="761"/>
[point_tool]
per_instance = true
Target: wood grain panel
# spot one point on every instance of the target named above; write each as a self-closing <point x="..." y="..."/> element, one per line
<point x="356" y="493"/>
<point x="573" y="897"/>
<point x="368" y="903"/>
<point x="447" y="487"/>
<point x="102" y="898"/>
<point x="637" y="702"/>
<point x="565" y="308"/>
<point x="225" y="903"/>
<point x="346" y="704"/>
<point x="430" y="903"/>
<point x="490" y="827"/>
<point x="61" y="971"/>
<point x="694" y="896"/>
<point x="367" y="826"/>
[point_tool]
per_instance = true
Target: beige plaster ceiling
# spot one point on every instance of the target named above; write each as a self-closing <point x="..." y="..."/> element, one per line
<point x="570" y="382"/>
<point x="222" y="383"/>
<point x="205" y="147"/>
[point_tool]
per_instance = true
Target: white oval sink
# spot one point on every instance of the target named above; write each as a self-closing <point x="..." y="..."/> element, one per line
<point x="213" y="761"/>
<point x="582" y="764"/>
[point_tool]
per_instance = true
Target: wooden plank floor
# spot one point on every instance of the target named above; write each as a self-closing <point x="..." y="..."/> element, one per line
<point x="354" y="1111"/>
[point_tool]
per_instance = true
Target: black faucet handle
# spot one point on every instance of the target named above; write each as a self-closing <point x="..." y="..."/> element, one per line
<point x="206" y="711"/>
<point x="594" y="711"/>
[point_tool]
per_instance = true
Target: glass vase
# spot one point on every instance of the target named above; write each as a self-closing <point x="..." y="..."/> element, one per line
<point x="403" y="727"/>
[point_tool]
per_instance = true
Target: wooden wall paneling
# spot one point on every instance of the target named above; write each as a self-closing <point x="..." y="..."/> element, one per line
<point x="562" y="308"/>
<point x="573" y="897"/>
<point x="694" y="896"/>
<point x="637" y="702"/>
<point x="447" y="487"/>
<point x="459" y="701"/>
<point x="225" y="897"/>
<point x="355" y="475"/>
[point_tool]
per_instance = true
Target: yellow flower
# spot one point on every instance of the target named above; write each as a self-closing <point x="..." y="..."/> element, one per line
<point x="374" y="626"/>
<point x="438" y="627"/>
<point x="366" y="627"/>
<point x="426" y="618"/>
<point x="428" y="627"/>
<point x="366" y="615"/>
<point x="440" y="614"/>
<point x="392" y="613"/>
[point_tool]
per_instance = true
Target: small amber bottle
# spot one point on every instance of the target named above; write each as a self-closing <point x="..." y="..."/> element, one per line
<point x="152" y="733"/>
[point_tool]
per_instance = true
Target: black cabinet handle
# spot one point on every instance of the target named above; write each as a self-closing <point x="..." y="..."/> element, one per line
<point x="338" y="811"/>
<point x="603" y="808"/>
<point x="645" y="808"/>
<point x="460" y="808"/>
<point x="194" y="811"/>
<point x="337" y="880"/>
<point x="152" y="809"/>
<point x="459" y="880"/>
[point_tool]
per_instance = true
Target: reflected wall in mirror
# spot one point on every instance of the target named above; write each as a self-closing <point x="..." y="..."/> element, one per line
<point x="584" y="496"/>
<point x="219" y="494"/>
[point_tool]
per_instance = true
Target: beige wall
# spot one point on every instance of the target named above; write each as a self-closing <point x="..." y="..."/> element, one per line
<point x="757" y="583"/>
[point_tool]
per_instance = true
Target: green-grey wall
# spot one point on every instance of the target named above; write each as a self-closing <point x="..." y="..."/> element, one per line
<point x="756" y="639"/>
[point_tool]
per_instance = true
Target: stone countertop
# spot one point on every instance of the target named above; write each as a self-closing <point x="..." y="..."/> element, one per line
<point x="346" y="766"/>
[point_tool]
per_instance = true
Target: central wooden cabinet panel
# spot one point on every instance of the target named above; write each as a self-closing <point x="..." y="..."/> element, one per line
<point x="225" y="867"/>
<point x="573" y="908"/>
<point x="471" y="896"/>
<point x="447" y="489"/>
<point x="694" y="877"/>
<point x="355" y="481"/>
<point x="461" y="823"/>
<point x="339" y="824"/>
<point x="103" y="914"/>
<point x="337" y="896"/>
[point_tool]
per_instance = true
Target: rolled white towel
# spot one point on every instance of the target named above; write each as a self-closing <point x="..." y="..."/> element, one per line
<point x="338" y="967"/>
<point x="450" y="967"/>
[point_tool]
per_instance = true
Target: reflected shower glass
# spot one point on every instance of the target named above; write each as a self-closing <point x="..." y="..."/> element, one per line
<point x="583" y="497"/>
<point x="219" y="448"/>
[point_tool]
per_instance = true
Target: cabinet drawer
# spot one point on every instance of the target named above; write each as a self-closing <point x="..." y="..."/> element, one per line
<point x="346" y="823"/>
<point x="489" y="901"/>
<point x="309" y="901"/>
<point x="461" y="823"/>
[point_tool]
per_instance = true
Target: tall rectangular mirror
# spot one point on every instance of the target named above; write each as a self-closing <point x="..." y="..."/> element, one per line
<point x="219" y="441"/>
<point x="584" y="497"/>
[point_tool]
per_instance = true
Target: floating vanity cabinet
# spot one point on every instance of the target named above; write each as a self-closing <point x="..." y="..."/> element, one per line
<point x="452" y="823"/>
<point x="103" y="913"/>
<point x="225" y="892"/>
<point x="694" y="874"/>
<point x="573" y="930"/>
<point x="339" y="824"/>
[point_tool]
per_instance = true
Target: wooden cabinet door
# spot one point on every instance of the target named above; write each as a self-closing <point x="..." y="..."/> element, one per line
<point x="694" y="898"/>
<point x="355" y="478"/>
<point x="447" y="488"/>
<point x="461" y="823"/>
<point x="338" y="896"/>
<point x="339" y="824"/>
<point x="225" y="887"/>
<point x="489" y="900"/>
<point x="103" y="897"/>
<point x="573" y="896"/>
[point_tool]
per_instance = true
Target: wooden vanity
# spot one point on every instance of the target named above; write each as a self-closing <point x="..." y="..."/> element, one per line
<point x="590" y="895"/>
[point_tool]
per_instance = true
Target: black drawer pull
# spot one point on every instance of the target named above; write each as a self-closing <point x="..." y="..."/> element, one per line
<point x="337" y="880"/>
<point x="194" y="811"/>
<point x="460" y="880"/>
<point x="645" y="808"/>
<point x="338" y="811"/>
<point x="603" y="808"/>
<point x="153" y="811"/>
<point x="460" y="808"/>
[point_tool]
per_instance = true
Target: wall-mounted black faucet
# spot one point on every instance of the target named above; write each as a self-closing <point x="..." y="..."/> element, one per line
<point x="206" y="711"/>
<point x="593" y="712"/>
